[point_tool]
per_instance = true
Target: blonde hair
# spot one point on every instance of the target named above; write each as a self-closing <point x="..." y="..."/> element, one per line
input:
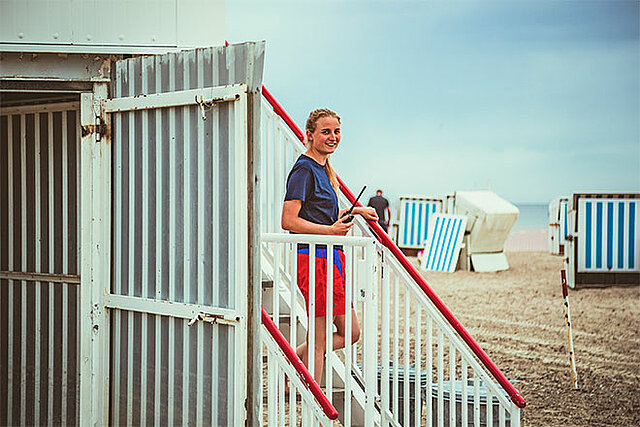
<point x="312" y="121"/>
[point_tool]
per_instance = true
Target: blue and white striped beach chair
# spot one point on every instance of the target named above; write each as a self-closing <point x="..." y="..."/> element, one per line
<point x="443" y="243"/>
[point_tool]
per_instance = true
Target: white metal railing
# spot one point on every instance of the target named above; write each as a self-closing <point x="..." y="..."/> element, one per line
<point x="449" y="385"/>
<point x="282" y="408"/>
<point x="350" y="372"/>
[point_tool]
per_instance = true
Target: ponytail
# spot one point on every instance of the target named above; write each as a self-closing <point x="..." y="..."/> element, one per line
<point x="333" y="178"/>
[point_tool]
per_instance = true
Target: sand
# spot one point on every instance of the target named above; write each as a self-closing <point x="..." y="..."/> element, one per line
<point x="517" y="317"/>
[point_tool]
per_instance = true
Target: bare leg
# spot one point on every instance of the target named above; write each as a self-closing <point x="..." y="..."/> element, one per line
<point x="320" y="347"/>
<point x="339" y="338"/>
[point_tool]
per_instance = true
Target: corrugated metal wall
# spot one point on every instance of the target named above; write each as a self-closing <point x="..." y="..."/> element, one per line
<point x="414" y="221"/>
<point x="175" y="238"/>
<point x="39" y="167"/>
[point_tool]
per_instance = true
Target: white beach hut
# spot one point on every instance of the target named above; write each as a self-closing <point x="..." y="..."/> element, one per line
<point x="126" y="144"/>
<point x="490" y="219"/>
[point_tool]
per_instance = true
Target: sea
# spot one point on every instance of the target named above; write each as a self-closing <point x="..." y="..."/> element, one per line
<point x="532" y="216"/>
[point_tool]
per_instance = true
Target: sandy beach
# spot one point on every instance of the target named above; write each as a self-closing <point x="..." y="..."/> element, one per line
<point x="517" y="318"/>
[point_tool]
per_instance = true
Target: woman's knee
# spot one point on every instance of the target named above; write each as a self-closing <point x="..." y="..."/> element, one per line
<point x="355" y="333"/>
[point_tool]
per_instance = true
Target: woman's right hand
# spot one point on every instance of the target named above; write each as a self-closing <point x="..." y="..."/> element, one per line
<point x="340" y="227"/>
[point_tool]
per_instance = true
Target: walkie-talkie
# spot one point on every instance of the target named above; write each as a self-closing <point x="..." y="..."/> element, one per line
<point x="353" y="206"/>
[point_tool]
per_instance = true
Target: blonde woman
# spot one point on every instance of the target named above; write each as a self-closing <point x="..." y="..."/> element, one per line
<point x="311" y="207"/>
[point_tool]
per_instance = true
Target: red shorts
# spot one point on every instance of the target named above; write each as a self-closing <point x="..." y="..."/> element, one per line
<point x="321" y="280"/>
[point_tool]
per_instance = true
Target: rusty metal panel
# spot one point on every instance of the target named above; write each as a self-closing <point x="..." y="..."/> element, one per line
<point x="39" y="166"/>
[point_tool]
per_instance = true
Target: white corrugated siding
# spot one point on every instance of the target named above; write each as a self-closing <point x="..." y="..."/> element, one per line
<point x="179" y="204"/>
<point x="39" y="199"/>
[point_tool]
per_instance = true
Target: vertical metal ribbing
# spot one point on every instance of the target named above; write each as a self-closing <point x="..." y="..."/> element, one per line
<point x="160" y="265"/>
<point x="118" y="253"/>
<point x="429" y="366"/>
<point x="216" y="232"/>
<point x="452" y="384"/>
<point x="38" y="268"/>
<point x="184" y="130"/>
<point x="65" y="266"/>
<point x="215" y="338"/>
<point x="238" y="380"/>
<point x="23" y="247"/>
<point x="10" y="283"/>
<point x="212" y="127"/>
<point x="131" y="264"/>
<point x="201" y="236"/>
<point x="234" y="204"/>
<point x="172" y="238"/>
<point x="145" y="140"/>
<point x="51" y="210"/>
<point x="406" y="350"/>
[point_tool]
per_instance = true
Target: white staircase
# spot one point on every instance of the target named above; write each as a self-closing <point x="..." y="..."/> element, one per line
<point x="446" y="375"/>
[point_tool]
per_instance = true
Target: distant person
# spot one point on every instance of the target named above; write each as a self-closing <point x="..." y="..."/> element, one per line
<point x="381" y="205"/>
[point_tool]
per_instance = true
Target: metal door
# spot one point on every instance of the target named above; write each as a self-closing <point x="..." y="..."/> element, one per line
<point x="177" y="301"/>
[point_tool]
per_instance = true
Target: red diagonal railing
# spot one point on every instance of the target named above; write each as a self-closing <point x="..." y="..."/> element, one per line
<point x="291" y="355"/>
<point x="384" y="238"/>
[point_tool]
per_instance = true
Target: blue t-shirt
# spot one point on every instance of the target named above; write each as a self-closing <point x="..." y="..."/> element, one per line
<point x="309" y="183"/>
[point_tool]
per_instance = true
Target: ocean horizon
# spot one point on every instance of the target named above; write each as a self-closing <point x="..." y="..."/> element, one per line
<point x="532" y="216"/>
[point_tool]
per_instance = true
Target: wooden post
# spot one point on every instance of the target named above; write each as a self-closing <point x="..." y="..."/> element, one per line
<point x="567" y="316"/>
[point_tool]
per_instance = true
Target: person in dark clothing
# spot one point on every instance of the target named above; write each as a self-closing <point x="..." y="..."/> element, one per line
<point x="381" y="205"/>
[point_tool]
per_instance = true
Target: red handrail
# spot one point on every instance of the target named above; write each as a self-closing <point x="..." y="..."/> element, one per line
<point x="291" y="355"/>
<point x="384" y="238"/>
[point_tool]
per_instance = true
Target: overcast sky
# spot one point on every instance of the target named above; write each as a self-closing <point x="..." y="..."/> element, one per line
<point x="529" y="99"/>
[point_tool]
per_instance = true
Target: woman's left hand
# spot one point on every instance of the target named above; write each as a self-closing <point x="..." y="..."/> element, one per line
<point x="368" y="213"/>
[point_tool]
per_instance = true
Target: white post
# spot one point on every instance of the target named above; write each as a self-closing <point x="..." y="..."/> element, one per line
<point x="370" y="331"/>
<point x="95" y="219"/>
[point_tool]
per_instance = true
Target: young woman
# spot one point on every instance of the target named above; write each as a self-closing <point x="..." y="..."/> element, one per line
<point x="311" y="207"/>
